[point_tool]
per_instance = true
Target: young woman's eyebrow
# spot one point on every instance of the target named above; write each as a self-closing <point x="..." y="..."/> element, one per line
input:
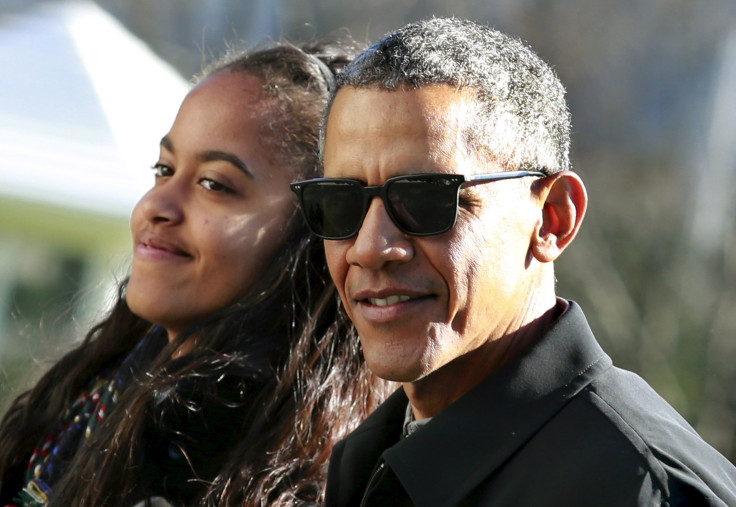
<point x="166" y="143"/>
<point x="212" y="155"/>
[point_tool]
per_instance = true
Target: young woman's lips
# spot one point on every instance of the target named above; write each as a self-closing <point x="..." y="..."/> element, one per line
<point x="159" y="249"/>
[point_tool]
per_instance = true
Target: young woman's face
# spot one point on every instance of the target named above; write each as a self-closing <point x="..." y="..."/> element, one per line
<point x="217" y="212"/>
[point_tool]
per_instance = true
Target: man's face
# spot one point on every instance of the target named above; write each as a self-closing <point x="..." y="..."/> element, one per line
<point x="425" y="303"/>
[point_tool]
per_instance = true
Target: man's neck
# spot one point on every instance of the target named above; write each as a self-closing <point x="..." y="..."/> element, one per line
<point x="433" y="393"/>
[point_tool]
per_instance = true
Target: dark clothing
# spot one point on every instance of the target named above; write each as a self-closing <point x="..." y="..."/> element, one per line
<point x="187" y="437"/>
<point x="188" y="440"/>
<point x="193" y="430"/>
<point x="559" y="425"/>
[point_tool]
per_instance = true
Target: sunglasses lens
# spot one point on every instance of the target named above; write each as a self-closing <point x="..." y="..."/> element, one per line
<point x="424" y="205"/>
<point x="334" y="209"/>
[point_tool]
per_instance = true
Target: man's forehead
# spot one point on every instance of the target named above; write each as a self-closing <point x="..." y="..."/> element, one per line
<point x="404" y="130"/>
<point x="433" y="101"/>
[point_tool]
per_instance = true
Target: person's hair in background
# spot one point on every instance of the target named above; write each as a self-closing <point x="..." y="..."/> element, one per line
<point x="271" y="381"/>
<point x="521" y="118"/>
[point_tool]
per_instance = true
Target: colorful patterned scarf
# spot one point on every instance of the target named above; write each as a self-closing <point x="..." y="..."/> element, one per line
<point x="76" y="425"/>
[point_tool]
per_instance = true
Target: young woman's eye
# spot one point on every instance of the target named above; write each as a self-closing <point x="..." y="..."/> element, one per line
<point x="214" y="186"/>
<point x="161" y="170"/>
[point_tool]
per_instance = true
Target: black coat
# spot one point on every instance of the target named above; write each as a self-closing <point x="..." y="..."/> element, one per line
<point x="557" y="426"/>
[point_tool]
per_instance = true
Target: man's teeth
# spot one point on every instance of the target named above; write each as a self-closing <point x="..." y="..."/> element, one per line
<point x="388" y="301"/>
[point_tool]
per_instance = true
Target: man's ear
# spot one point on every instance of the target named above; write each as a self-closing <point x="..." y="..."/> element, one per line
<point x="564" y="200"/>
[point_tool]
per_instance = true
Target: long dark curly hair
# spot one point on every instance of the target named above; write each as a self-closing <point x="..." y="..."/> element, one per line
<point x="275" y="381"/>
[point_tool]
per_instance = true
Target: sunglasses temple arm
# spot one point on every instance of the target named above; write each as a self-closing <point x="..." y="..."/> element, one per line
<point x="502" y="176"/>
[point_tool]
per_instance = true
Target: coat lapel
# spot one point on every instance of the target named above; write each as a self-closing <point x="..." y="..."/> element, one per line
<point x="464" y="444"/>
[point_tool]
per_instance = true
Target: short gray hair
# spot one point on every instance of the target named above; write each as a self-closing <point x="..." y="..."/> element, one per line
<point x="521" y="120"/>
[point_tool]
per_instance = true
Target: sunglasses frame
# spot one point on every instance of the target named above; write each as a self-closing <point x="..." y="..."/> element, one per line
<point x="455" y="181"/>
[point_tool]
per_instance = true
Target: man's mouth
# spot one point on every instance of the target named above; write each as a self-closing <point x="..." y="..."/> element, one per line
<point x="390" y="300"/>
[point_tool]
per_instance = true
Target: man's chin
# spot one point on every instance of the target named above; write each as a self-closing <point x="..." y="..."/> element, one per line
<point x="397" y="370"/>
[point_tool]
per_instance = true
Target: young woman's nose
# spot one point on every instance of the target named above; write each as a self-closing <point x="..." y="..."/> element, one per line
<point x="163" y="203"/>
<point x="379" y="241"/>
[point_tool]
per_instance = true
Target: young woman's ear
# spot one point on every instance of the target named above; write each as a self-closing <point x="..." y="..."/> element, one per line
<point x="564" y="201"/>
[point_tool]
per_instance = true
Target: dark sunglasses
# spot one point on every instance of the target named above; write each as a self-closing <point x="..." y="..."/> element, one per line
<point x="419" y="204"/>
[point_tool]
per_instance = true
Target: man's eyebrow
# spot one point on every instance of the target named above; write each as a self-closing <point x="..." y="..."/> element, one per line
<point x="213" y="155"/>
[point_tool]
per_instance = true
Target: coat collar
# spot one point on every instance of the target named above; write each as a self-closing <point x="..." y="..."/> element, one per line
<point x="464" y="444"/>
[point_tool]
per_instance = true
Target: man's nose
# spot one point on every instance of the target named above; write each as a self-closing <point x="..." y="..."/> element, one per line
<point x="379" y="241"/>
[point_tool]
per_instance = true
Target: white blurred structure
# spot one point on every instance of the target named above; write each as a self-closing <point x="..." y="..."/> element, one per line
<point x="714" y="210"/>
<point x="83" y="104"/>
